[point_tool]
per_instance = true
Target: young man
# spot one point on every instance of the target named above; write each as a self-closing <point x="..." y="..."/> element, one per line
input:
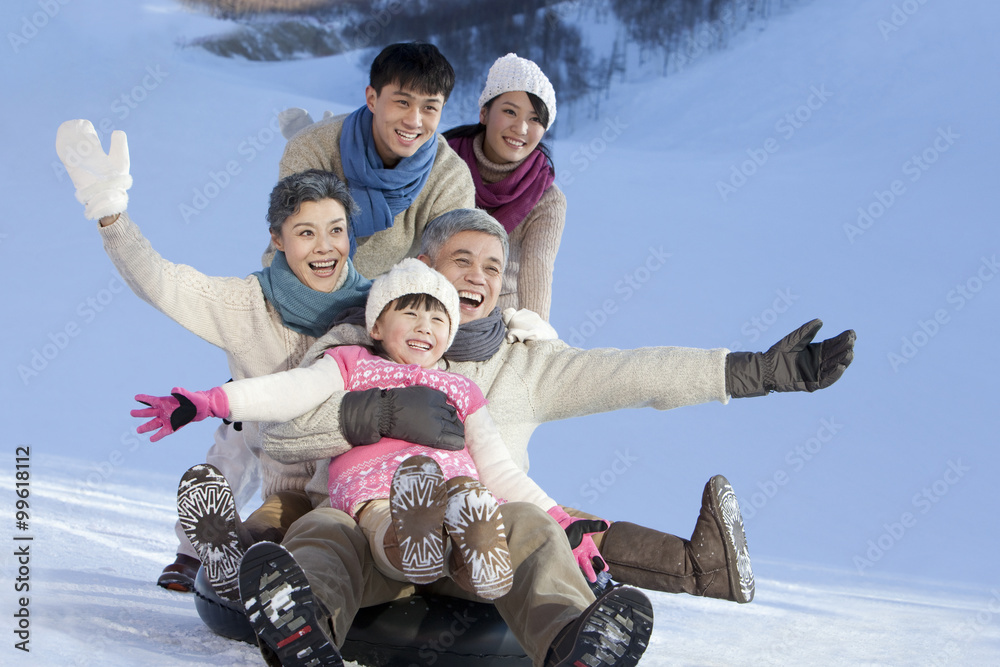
<point x="400" y="172"/>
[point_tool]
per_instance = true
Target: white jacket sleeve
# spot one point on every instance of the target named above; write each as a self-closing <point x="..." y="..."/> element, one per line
<point x="283" y="396"/>
<point x="497" y="469"/>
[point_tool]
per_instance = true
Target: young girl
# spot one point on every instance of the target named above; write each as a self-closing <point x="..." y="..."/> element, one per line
<point x="405" y="497"/>
<point x="514" y="176"/>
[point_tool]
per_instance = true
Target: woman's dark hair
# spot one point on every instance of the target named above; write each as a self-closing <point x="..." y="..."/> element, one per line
<point x="413" y="65"/>
<point x="472" y="129"/>
<point x="310" y="185"/>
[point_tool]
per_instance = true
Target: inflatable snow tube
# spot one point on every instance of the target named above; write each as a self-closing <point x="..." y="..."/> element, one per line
<point x="223" y="617"/>
<point x="418" y="630"/>
<point x="432" y="630"/>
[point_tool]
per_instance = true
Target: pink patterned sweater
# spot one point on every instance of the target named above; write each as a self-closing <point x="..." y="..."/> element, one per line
<point x="365" y="473"/>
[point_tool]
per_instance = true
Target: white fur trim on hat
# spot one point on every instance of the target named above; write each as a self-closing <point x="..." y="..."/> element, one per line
<point x="411" y="276"/>
<point x="512" y="73"/>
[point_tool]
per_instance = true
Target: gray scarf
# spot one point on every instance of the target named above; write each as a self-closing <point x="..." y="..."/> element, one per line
<point x="478" y="340"/>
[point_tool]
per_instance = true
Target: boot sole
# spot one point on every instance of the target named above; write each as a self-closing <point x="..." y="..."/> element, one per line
<point x="475" y="526"/>
<point x="282" y="608"/>
<point x="417" y="501"/>
<point x="615" y="632"/>
<point x="207" y="513"/>
<point x="726" y="509"/>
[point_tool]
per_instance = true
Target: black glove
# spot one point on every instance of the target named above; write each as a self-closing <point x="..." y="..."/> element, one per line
<point x="420" y="415"/>
<point x="792" y="364"/>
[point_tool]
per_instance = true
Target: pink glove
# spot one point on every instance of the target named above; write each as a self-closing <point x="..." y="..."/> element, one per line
<point x="579" y="532"/>
<point x="169" y="413"/>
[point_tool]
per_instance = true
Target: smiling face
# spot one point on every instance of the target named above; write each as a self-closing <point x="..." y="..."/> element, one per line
<point x="513" y="129"/>
<point x="417" y="333"/>
<point x="473" y="263"/>
<point x="315" y="242"/>
<point x="404" y="120"/>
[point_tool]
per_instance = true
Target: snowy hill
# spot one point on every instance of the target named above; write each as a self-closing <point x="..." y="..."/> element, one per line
<point x="835" y="162"/>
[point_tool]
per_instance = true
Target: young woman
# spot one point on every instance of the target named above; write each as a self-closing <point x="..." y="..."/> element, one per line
<point x="412" y="315"/>
<point x="514" y="176"/>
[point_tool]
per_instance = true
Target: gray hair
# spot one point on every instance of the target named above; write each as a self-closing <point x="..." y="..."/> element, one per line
<point x="439" y="230"/>
<point x="310" y="185"/>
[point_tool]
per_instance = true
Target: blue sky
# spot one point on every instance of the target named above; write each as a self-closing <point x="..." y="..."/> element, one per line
<point x="822" y="166"/>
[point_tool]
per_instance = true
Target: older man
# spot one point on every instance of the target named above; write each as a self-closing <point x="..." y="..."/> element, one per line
<point x="527" y="383"/>
<point x="531" y="382"/>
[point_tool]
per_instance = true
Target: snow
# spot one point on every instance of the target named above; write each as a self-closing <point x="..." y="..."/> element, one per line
<point x="867" y="504"/>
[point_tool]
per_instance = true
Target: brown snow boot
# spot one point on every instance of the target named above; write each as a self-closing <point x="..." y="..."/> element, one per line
<point x="714" y="563"/>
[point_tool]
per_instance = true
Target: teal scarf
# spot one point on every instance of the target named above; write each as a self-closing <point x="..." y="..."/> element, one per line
<point x="302" y="308"/>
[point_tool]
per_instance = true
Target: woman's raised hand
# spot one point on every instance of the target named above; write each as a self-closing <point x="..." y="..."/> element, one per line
<point x="101" y="179"/>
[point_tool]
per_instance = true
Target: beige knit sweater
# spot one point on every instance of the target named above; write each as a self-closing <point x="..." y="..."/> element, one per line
<point x="230" y="313"/>
<point x="448" y="187"/>
<point x="527" y="279"/>
<point x="528" y="384"/>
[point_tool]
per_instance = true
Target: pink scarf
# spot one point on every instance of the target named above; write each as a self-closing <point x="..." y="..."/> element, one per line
<point x="511" y="199"/>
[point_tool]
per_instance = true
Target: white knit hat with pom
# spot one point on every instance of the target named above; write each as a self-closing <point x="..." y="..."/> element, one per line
<point x="512" y="73"/>
<point x="411" y="276"/>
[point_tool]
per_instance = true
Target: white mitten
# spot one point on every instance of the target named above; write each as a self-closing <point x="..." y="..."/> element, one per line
<point x="525" y="325"/>
<point x="292" y="120"/>
<point x="101" y="179"/>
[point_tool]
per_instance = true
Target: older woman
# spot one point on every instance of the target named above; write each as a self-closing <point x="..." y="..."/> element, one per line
<point x="514" y="176"/>
<point x="264" y="322"/>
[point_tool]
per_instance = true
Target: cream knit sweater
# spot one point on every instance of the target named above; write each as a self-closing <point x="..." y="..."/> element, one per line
<point x="528" y="384"/>
<point x="230" y="313"/>
<point x="527" y="278"/>
<point x="448" y="187"/>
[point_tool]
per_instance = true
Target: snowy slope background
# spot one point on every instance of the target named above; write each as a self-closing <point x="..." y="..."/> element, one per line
<point x="869" y="505"/>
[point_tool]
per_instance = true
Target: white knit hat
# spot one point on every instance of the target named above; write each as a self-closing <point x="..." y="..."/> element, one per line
<point x="511" y="73"/>
<point x="411" y="276"/>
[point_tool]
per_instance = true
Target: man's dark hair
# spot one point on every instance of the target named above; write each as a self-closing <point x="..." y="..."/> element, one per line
<point x="414" y="65"/>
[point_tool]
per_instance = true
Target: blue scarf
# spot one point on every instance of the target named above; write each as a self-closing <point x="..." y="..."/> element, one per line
<point x="380" y="193"/>
<point x="302" y="308"/>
